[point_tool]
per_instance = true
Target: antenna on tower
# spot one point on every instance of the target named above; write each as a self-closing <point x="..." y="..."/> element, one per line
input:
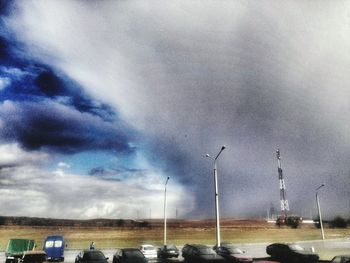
<point x="283" y="194"/>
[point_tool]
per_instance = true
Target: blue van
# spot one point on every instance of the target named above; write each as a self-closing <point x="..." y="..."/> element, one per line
<point x="54" y="248"/>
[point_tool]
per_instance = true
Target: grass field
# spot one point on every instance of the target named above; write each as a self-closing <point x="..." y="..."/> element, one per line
<point x="78" y="238"/>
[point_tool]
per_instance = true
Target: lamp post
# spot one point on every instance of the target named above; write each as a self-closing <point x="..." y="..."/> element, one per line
<point x="166" y="182"/>
<point x="319" y="209"/>
<point x="217" y="217"/>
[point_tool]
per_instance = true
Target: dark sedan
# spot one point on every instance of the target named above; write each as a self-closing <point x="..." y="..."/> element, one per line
<point x="232" y="253"/>
<point x="341" y="259"/>
<point x="292" y="253"/>
<point x="168" y="251"/>
<point x="91" y="256"/>
<point x="129" y="255"/>
<point x="34" y="257"/>
<point x="200" y="254"/>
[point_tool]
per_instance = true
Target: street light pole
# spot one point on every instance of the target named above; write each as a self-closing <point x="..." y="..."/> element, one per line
<point x="166" y="182"/>
<point x="319" y="210"/>
<point x="217" y="216"/>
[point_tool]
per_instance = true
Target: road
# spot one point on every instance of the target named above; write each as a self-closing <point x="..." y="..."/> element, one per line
<point x="257" y="250"/>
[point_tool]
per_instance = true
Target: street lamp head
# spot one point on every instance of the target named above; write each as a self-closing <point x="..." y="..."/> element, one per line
<point x="167" y="179"/>
<point x="223" y="147"/>
<point x="320" y="186"/>
<point x="207" y="155"/>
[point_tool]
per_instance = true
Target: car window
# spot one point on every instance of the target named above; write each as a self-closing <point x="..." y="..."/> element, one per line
<point x="234" y="250"/>
<point x="133" y="254"/>
<point x="336" y="260"/>
<point x="189" y="250"/>
<point x="49" y="244"/>
<point x="296" y="248"/>
<point x="206" y="251"/>
<point x="58" y="243"/>
<point x="93" y="255"/>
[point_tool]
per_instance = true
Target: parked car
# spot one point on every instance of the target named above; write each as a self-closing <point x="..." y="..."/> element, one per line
<point x="129" y="255"/>
<point x="54" y="248"/>
<point x="16" y="247"/>
<point x="341" y="259"/>
<point x="194" y="253"/>
<point x="232" y="253"/>
<point x="91" y="256"/>
<point x="168" y="251"/>
<point x="149" y="251"/>
<point x="291" y="253"/>
<point x="34" y="257"/>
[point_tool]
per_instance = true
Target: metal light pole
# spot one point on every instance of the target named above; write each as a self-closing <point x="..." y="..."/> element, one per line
<point x="319" y="209"/>
<point x="217" y="217"/>
<point x="166" y="182"/>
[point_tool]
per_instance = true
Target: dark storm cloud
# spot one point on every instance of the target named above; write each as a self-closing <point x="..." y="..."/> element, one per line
<point x="60" y="128"/>
<point x="5" y="7"/>
<point x="120" y="174"/>
<point x="191" y="77"/>
<point x="42" y="108"/>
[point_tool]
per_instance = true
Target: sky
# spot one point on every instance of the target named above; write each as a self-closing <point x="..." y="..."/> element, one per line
<point x="101" y="101"/>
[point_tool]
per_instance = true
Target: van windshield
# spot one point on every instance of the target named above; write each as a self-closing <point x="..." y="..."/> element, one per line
<point x="49" y="243"/>
<point x="58" y="243"/>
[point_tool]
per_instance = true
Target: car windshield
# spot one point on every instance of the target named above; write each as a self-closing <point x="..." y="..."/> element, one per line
<point x="172" y="247"/>
<point x="133" y="254"/>
<point x="148" y="248"/>
<point x="206" y="251"/>
<point x="296" y="248"/>
<point x="38" y="258"/>
<point x="93" y="256"/>
<point x="336" y="260"/>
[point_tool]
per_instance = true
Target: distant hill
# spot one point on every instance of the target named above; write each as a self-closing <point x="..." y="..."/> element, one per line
<point x="37" y="221"/>
<point x="128" y="223"/>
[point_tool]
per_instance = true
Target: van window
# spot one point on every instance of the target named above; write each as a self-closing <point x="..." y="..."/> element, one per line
<point x="58" y="243"/>
<point x="49" y="244"/>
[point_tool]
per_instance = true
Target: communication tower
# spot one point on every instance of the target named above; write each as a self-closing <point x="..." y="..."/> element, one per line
<point x="283" y="194"/>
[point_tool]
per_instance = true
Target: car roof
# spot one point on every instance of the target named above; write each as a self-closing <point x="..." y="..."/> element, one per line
<point x="227" y="245"/>
<point x="91" y="251"/>
<point x="54" y="237"/>
<point x="197" y="245"/>
<point x="34" y="252"/>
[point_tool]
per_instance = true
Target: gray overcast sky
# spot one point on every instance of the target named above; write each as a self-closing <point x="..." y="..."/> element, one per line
<point x="186" y="77"/>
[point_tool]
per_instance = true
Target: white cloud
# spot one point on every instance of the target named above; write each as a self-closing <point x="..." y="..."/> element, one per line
<point x="14" y="72"/>
<point x="4" y="82"/>
<point x="63" y="165"/>
<point x="12" y="155"/>
<point x="66" y="195"/>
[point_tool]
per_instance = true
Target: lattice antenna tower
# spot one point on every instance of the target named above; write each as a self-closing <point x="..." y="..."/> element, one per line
<point x="283" y="194"/>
